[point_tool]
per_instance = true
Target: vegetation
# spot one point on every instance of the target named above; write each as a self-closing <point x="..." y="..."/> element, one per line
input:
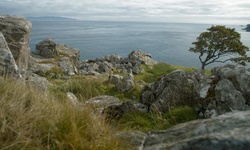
<point x="151" y="121"/>
<point x="29" y="120"/>
<point x="220" y="44"/>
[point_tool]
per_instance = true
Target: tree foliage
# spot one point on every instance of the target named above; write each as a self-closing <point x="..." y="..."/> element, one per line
<point x="220" y="44"/>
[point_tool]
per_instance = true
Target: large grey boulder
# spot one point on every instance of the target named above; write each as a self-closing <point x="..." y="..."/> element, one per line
<point x="228" y="98"/>
<point x="227" y="89"/>
<point x="8" y="67"/>
<point x="229" y="131"/>
<point x="16" y="31"/>
<point x="141" y="57"/>
<point x="238" y="75"/>
<point x="47" y="49"/>
<point x="178" y="88"/>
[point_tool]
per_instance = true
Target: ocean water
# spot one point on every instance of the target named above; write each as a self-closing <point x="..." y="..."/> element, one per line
<point x="167" y="42"/>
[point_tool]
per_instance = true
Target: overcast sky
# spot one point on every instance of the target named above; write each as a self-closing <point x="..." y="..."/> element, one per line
<point x="193" y="11"/>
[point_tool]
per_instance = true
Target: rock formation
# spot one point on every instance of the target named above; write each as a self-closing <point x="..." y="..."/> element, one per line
<point x="115" y="62"/>
<point x="16" y="31"/>
<point x="247" y="28"/>
<point x="175" y="89"/>
<point x="8" y="65"/>
<point x="228" y="131"/>
<point x="54" y="58"/>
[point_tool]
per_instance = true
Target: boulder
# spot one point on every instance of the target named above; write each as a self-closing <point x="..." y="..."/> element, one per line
<point x="8" y="67"/>
<point x="178" y="88"/>
<point x="16" y="31"/>
<point x="47" y="49"/>
<point x="38" y="82"/>
<point x="117" y="110"/>
<point x="228" y="131"/>
<point x="134" y="139"/>
<point x="238" y="75"/>
<point x="141" y="57"/>
<point x="228" y="98"/>
<point x="99" y="103"/>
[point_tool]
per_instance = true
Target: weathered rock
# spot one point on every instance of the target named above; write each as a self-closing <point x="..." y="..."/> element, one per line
<point x="73" y="99"/>
<point x="133" y="138"/>
<point x="116" y="111"/>
<point x="47" y="49"/>
<point x="238" y="75"/>
<point x="8" y="67"/>
<point x="67" y="67"/>
<point x="38" y="82"/>
<point x="175" y="89"/>
<point x="228" y="98"/>
<point x="41" y="68"/>
<point x="229" y="131"/>
<point x="123" y="84"/>
<point x="99" y="103"/>
<point x="16" y="31"/>
<point x="141" y="57"/>
<point x="64" y="58"/>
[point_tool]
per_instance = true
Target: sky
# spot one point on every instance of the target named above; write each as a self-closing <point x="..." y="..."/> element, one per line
<point x="185" y="11"/>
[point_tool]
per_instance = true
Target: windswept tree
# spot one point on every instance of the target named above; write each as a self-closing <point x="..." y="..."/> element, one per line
<point x="220" y="44"/>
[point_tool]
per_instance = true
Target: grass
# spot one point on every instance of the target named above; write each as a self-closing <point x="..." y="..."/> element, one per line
<point x="151" y="121"/>
<point x="31" y="120"/>
<point x="158" y="70"/>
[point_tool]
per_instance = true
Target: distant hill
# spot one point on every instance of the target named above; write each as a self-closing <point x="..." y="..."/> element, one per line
<point x="50" y="18"/>
<point x="247" y="28"/>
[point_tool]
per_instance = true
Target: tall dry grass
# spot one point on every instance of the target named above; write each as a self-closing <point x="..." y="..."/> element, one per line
<point x="31" y="120"/>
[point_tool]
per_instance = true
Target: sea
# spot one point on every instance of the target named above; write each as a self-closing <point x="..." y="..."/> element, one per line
<point x="166" y="42"/>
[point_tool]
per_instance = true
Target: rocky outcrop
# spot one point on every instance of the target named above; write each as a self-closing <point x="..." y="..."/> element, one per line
<point x="228" y="131"/>
<point x="8" y="67"/>
<point x="247" y="28"/>
<point x="55" y="58"/>
<point x="175" y="89"/>
<point x="227" y="89"/>
<point x="116" y="111"/>
<point x="16" y="31"/>
<point x="108" y="64"/>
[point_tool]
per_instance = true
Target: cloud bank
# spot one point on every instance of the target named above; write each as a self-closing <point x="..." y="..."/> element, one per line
<point x="209" y="11"/>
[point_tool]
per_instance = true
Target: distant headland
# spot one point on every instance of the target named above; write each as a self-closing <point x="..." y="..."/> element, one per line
<point x="50" y="18"/>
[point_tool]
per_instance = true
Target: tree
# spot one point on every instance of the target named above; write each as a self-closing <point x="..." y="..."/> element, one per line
<point x="220" y="44"/>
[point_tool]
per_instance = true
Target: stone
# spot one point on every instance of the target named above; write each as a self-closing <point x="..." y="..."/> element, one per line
<point x="73" y="99"/>
<point x="229" y="131"/>
<point x="8" y="67"/>
<point x="116" y="111"/>
<point x="16" y="30"/>
<point x="41" y="83"/>
<point x="134" y="139"/>
<point x="64" y="58"/>
<point x="47" y="49"/>
<point x="41" y="68"/>
<point x="99" y="103"/>
<point x="228" y="98"/>
<point x="238" y="75"/>
<point x="141" y="57"/>
<point x="178" y="88"/>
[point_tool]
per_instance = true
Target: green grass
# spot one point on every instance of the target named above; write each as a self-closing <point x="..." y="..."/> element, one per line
<point x="151" y="121"/>
<point x="158" y="70"/>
